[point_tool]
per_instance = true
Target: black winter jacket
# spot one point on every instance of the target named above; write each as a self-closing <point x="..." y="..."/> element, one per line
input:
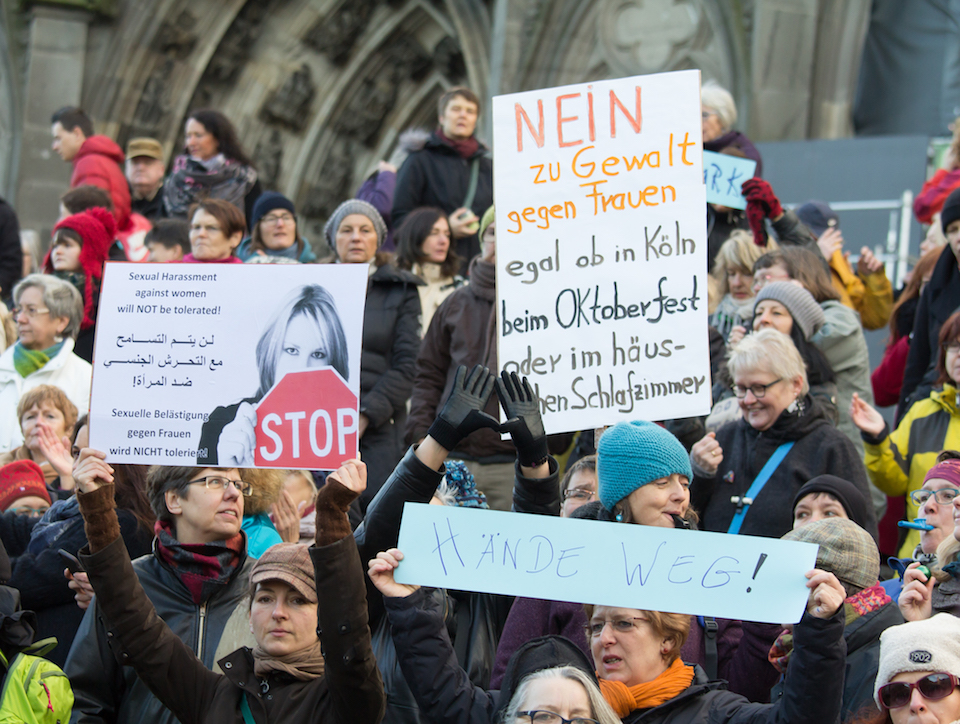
<point x="11" y="253"/>
<point x="107" y="691"/>
<point x="391" y="340"/>
<point x="436" y="175"/>
<point x="813" y="691"/>
<point x="820" y="449"/>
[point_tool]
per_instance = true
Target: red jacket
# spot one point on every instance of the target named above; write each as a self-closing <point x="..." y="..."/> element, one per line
<point x="934" y="192"/>
<point x="98" y="163"/>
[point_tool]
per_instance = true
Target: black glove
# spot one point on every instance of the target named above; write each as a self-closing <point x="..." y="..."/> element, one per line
<point x="463" y="413"/>
<point x="523" y="419"/>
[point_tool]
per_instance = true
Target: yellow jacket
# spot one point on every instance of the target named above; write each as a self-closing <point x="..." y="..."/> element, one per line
<point x="871" y="296"/>
<point x="898" y="463"/>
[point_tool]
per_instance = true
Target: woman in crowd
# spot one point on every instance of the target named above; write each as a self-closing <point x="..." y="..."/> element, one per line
<point x="391" y="338"/>
<point x="918" y="674"/>
<point x="304" y="333"/>
<point x="887" y="378"/>
<point x="733" y="274"/>
<point x="274" y="236"/>
<point x="579" y="485"/>
<point x="781" y="423"/>
<point x="23" y="491"/>
<point x="214" y="167"/>
<point x="637" y="657"/>
<point x="46" y="416"/>
<point x="826" y="497"/>
<point x="293" y="599"/>
<point x="216" y="229"/>
<point x="898" y="461"/>
<point x="38" y="570"/>
<point x="423" y="248"/>
<point x="81" y="244"/>
<point x="719" y="113"/>
<point x="48" y="315"/>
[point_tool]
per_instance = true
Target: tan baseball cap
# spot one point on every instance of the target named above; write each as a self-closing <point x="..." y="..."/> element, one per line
<point x="149" y="147"/>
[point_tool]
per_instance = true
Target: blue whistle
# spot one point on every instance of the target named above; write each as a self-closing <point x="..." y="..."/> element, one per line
<point x="917" y="524"/>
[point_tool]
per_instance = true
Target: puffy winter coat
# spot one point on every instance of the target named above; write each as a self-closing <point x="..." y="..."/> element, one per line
<point x="98" y="162"/>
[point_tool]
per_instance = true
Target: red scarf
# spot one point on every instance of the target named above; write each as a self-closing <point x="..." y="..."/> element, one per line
<point x="465" y="148"/>
<point x="202" y="567"/>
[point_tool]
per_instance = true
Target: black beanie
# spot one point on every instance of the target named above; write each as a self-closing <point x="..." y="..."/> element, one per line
<point x="545" y="652"/>
<point x="849" y="495"/>
<point x="950" y="211"/>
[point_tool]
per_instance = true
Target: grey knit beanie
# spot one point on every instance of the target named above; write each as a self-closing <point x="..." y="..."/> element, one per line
<point x="798" y="301"/>
<point x="354" y="206"/>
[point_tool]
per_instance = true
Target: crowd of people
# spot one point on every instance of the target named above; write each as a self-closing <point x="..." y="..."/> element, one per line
<point x="226" y="592"/>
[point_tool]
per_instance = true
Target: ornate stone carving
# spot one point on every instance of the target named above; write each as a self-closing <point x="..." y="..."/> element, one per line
<point x="268" y="156"/>
<point x="647" y="37"/>
<point x="153" y="107"/>
<point x="367" y="109"/>
<point x="177" y="39"/>
<point x="448" y="59"/>
<point x="237" y="43"/>
<point x="335" y="34"/>
<point x="333" y="184"/>
<point x="290" y="103"/>
<point x="406" y="57"/>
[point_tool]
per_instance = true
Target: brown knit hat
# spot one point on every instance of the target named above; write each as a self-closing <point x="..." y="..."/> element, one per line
<point x="290" y="563"/>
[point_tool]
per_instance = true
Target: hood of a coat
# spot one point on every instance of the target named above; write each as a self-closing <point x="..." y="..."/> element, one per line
<point x="947" y="399"/>
<point x="103" y="146"/>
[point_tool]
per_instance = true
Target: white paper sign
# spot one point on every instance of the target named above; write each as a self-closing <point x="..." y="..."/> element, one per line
<point x="601" y="248"/>
<point x="184" y="350"/>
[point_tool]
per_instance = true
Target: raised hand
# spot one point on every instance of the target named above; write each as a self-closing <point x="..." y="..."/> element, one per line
<point x="463" y="413"/>
<point x="55" y="450"/>
<point x="826" y="594"/>
<point x="238" y="439"/>
<point x="707" y="454"/>
<point x="380" y="570"/>
<point x="90" y="471"/>
<point x="524" y="423"/>
<point x="351" y="475"/>
<point x="915" y="596"/>
<point x="868" y="263"/>
<point x="760" y="193"/>
<point x="866" y="416"/>
<point x="286" y="517"/>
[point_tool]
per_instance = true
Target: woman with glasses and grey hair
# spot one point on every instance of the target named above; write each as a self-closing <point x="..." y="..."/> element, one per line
<point x="48" y="314"/>
<point x="747" y="473"/>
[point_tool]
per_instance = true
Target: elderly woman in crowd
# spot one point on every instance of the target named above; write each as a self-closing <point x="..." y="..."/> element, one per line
<point x="748" y="472"/>
<point x="46" y="417"/>
<point x="48" y="315"/>
<point x="733" y="274"/>
<point x="719" y="116"/>
<point x="274" y="235"/>
<point x="214" y="167"/>
<point x="391" y="338"/>
<point x="898" y="461"/>
<point x="216" y="229"/>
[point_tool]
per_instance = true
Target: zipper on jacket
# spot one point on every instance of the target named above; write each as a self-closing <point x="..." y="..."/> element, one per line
<point x="203" y="620"/>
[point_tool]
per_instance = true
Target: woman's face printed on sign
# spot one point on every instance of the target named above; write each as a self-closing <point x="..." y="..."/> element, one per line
<point x="305" y="346"/>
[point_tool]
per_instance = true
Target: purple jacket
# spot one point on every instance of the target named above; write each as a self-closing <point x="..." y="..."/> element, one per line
<point x="377" y="191"/>
<point x="745" y="666"/>
<point x="738" y="140"/>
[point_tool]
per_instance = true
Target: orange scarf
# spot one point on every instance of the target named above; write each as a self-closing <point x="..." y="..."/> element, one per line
<point x="669" y="684"/>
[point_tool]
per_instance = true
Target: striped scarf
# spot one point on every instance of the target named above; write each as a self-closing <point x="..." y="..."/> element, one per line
<point x="27" y="361"/>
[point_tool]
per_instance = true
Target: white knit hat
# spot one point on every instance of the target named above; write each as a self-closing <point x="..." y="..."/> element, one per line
<point x="929" y="645"/>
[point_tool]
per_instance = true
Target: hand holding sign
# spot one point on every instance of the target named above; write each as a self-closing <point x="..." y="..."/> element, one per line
<point x="463" y="413"/>
<point x="238" y="439"/>
<point x="524" y="423"/>
<point x="826" y="595"/>
<point x="91" y="470"/>
<point x="380" y="570"/>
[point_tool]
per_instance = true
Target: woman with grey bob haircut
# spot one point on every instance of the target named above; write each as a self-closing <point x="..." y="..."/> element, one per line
<point x="524" y="702"/>
<point x="48" y="315"/>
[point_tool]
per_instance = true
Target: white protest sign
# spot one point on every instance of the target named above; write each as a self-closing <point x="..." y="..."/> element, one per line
<point x="724" y="175"/>
<point x="258" y="364"/>
<point x="602" y="248"/>
<point x="609" y="564"/>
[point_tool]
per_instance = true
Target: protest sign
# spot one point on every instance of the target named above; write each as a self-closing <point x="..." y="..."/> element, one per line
<point x="602" y="248"/>
<point x="723" y="176"/>
<point x="191" y="367"/>
<point x="610" y="564"/>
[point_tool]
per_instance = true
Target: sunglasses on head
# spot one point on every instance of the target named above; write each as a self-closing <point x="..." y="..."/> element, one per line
<point x="932" y="687"/>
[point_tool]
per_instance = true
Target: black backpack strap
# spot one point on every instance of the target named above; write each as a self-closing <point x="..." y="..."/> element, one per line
<point x="711" y="659"/>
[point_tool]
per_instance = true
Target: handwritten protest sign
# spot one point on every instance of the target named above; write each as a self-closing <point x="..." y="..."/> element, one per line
<point x="723" y="176"/>
<point x="601" y="248"/>
<point x="610" y="564"/>
<point x="229" y="365"/>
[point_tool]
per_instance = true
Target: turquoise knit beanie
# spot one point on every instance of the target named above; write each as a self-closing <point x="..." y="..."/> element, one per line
<point x="632" y="454"/>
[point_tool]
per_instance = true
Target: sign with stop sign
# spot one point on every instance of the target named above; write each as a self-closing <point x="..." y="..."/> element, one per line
<point x="308" y="421"/>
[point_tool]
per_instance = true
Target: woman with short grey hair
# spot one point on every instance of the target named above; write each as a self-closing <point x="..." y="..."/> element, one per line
<point x="719" y="113"/>
<point x="748" y="472"/>
<point x="48" y="314"/>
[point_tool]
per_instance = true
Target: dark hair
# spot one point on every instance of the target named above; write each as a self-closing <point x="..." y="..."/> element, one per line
<point x="803" y="265"/>
<point x="912" y="290"/>
<point x="949" y="333"/>
<point x="462" y="92"/>
<point x="414" y="229"/>
<point x="169" y="233"/>
<point x="86" y="197"/>
<point x="66" y="233"/>
<point x="230" y="218"/>
<point x="587" y="463"/>
<point x="71" y="117"/>
<point x="220" y="127"/>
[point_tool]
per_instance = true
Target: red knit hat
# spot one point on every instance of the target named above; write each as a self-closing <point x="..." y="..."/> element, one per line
<point x="20" y="479"/>
<point x="98" y="230"/>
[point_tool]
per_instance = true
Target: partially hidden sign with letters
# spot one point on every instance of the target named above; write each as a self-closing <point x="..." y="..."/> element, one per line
<point x="602" y="248"/>
<point x="724" y="175"/>
<point x="223" y="365"/>
<point x="610" y="564"/>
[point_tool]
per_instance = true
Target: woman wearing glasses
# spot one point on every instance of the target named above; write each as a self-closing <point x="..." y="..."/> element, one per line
<point x="918" y="675"/>
<point x="898" y="461"/>
<point x="782" y="429"/>
<point x="274" y="236"/>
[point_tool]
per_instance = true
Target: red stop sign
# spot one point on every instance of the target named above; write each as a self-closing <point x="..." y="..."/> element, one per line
<point x="308" y="421"/>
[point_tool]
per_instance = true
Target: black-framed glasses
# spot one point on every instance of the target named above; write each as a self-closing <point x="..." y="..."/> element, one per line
<point x="943" y="497"/>
<point x="221" y="482"/>
<point x="578" y="494"/>
<point x="931" y="687"/>
<point x="541" y="716"/>
<point x="759" y="391"/>
<point x="620" y="625"/>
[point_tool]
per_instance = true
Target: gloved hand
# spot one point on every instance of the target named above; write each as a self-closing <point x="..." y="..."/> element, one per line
<point x="463" y="413"/>
<point x="761" y="203"/>
<point x="523" y="419"/>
